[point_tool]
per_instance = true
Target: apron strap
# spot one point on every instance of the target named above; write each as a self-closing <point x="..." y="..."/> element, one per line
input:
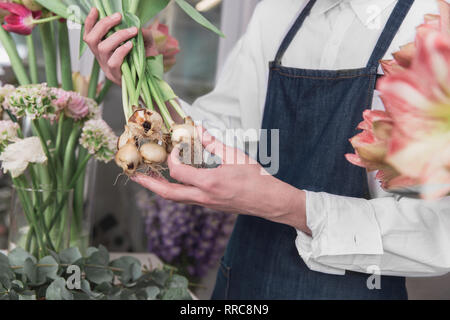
<point x="392" y="26"/>
<point x="394" y="23"/>
<point x="293" y="32"/>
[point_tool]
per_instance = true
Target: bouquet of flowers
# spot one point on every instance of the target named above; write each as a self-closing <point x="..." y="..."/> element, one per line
<point x="150" y="133"/>
<point x="190" y="237"/>
<point x="67" y="132"/>
<point x="51" y="130"/>
<point x="409" y="143"/>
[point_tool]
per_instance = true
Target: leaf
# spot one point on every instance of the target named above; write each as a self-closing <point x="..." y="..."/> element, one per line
<point x="56" y="6"/>
<point x="152" y="292"/>
<point x="5" y="268"/>
<point x="17" y="258"/>
<point x="30" y="270"/>
<point x="197" y="17"/>
<point x="70" y="256"/>
<point x="96" y="267"/>
<point x="131" y="269"/>
<point x="48" y="268"/>
<point x="147" y="10"/>
<point x="166" y="91"/>
<point x="176" y="294"/>
<point x="86" y="288"/>
<point x="178" y="281"/>
<point x="27" y="297"/>
<point x="160" y="277"/>
<point x="57" y="291"/>
<point x="155" y="66"/>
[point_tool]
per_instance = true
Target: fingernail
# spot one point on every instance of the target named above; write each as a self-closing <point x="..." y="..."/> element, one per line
<point x="116" y="16"/>
<point x="129" y="44"/>
<point x="132" y="30"/>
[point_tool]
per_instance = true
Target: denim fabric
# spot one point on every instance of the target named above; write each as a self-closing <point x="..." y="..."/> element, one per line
<point x="316" y="112"/>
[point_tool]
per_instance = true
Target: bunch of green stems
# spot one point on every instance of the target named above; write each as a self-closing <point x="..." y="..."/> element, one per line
<point x="65" y="169"/>
<point x="142" y="76"/>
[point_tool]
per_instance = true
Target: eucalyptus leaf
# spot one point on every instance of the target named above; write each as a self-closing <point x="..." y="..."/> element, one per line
<point x="17" y="258"/>
<point x="177" y="281"/>
<point x="131" y="269"/>
<point x="197" y="17"/>
<point x="152" y="292"/>
<point x="47" y="268"/>
<point x="176" y="294"/>
<point x="5" y="268"/>
<point x="70" y="256"/>
<point x="57" y="290"/>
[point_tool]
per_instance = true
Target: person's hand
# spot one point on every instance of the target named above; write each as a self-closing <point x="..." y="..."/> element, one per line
<point x="238" y="186"/>
<point x="110" y="52"/>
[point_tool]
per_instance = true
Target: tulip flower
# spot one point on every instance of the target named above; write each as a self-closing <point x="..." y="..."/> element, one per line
<point x="20" y="19"/>
<point x="164" y="44"/>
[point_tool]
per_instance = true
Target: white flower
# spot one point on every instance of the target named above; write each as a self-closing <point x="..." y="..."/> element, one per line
<point x="35" y="101"/>
<point x="18" y="155"/>
<point x="99" y="139"/>
<point x="8" y="131"/>
<point x="5" y="91"/>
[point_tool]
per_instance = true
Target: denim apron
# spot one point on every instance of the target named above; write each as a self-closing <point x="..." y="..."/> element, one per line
<point x="316" y="112"/>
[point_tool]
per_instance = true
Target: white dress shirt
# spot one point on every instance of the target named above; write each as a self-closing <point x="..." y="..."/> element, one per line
<point x="392" y="235"/>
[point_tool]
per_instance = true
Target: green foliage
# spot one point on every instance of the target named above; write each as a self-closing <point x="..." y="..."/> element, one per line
<point x="23" y="277"/>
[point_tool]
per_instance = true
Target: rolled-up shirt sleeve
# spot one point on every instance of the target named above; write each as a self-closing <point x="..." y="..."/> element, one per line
<point x="396" y="236"/>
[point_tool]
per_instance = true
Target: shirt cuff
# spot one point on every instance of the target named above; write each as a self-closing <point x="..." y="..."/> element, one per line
<point x="341" y="227"/>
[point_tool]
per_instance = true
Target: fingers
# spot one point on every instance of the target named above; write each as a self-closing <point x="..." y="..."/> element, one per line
<point x="228" y="154"/>
<point x="114" y="41"/>
<point x="214" y="146"/>
<point x="91" y="20"/>
<point x="171" y="191"/>
<point x="99" y="31"/>
<point x="117" y="58"/>
<point x="184" y="173"/>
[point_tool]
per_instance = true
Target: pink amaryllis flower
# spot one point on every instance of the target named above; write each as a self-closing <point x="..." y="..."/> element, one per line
<point x="20" y="19"/>
<point x="403" y="58"/>
<point x="163" y="43"/>
<point x="416" y="95"/>
<point x="372" y="146"/>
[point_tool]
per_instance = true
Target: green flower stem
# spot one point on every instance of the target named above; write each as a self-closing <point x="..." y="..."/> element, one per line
<point x="35" y="127"/>
<point x="93" y="82"/>
<point x="67" y="172"/>
<point x="16" y="62"/>
<point x="37" y="209"/>
<point x="81" y="169"/>
<point x="134" y="6"/>
<point x="176" y="106"/>
<point x="147" y="96"/>
<point x="64" y="55"/>
<point x="101" y="96"/>
<point x="32" y="62"/>
<point x="45" y="20"/>
<point x="48" y="46"/>
<point x="98" y="4"/>
<point x="161" y="104"/>
<point x="27" y="208"/>
<point x="59" y="135"/>
<point x="126" y="107"/>
<point x="69" y="155"/>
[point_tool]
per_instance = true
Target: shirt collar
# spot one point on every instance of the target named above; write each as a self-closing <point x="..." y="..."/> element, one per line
<point x="362" y="8"/>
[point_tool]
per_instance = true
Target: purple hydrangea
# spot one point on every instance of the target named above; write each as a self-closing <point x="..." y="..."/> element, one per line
<point x="191" y="237"/>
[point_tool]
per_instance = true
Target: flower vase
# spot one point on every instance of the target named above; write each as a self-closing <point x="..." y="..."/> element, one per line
<point x="43" y="220"/>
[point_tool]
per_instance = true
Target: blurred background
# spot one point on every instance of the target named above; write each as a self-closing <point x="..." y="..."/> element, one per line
<point x="126" y="218"/>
